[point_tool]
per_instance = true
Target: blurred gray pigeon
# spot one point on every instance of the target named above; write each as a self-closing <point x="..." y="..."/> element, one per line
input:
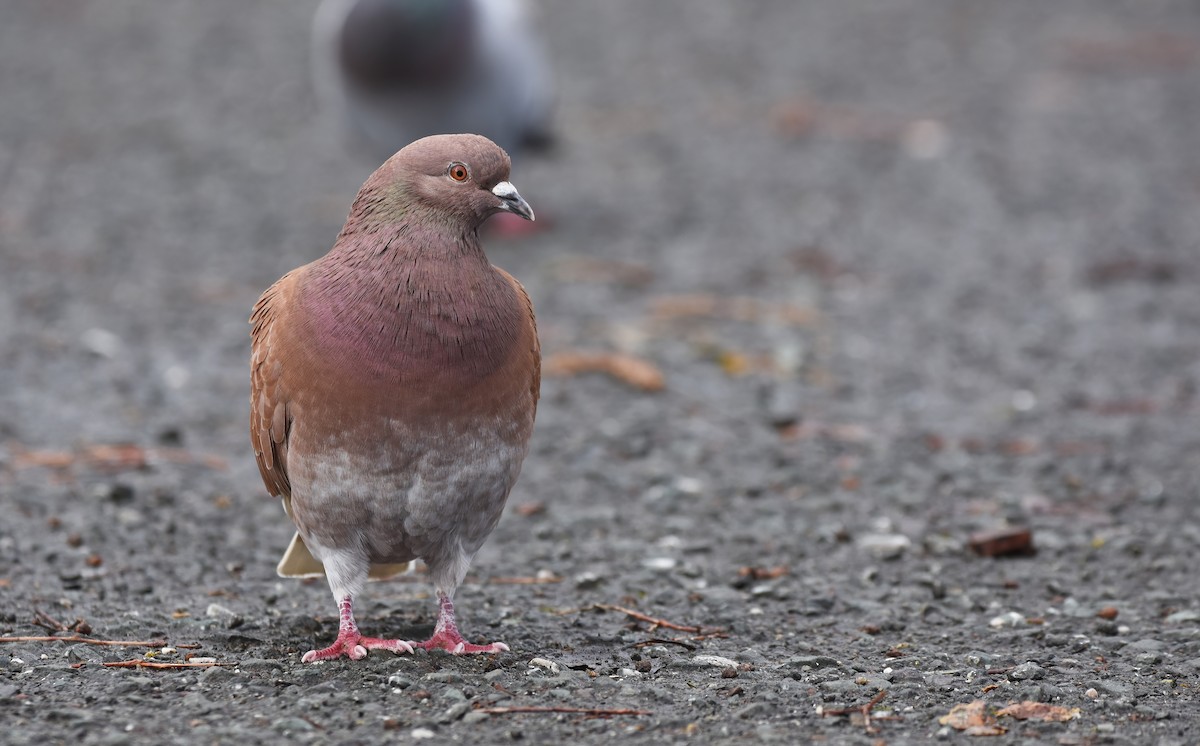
<point x="393" y="71"/>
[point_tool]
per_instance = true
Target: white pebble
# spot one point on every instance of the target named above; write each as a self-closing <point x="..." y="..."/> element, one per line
<point x="545" y="663"/>
<point x="1008" y="619"/>
<point x="660" y="563"/>
<point x="1091" y="693"/>
<point x="716" y="661"/>
<point x="421" y="733"/>
<point x="101" y="342"/>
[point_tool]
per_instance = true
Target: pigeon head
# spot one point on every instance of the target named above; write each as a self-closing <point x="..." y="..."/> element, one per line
<point x="456" y="179"/>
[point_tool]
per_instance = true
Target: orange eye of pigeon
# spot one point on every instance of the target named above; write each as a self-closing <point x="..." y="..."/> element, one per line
<point x="458" y="172"/>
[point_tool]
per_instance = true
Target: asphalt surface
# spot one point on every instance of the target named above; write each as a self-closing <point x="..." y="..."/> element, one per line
<point x="910" y="272"/>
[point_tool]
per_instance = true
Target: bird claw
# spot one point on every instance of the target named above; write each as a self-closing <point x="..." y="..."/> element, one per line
<point x="459" y="646"/>
<point x="355" y="648"/>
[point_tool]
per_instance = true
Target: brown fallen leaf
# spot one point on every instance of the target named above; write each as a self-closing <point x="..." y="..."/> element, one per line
<point x="973" y="719"/>
<point x="1155" y="51"/>
<point x="1007" y="542"/>
<point x="109" y="457"/>
<point x="116" y="457"/>
<point x="630" y="370"/>
<point x="763" y="573"/>
<point x="608" y="271"/>
<point x="985" y="730"/>
<point x="527" y="509"/>
<point x="1039" y="711"/>
<point x="732" y="308"/>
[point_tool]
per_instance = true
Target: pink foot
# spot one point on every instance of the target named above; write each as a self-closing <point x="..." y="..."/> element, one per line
<point x="456" y="645"/>
<point x="355" y="648"/>
<point x="447" y="637"/>
<point x="351" y="644"/>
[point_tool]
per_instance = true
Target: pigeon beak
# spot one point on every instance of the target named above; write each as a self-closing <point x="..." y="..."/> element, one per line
<point x="511" y="200"/>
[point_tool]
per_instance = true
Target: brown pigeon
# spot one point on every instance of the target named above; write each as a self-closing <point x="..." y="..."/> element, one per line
<point x="394" y="383"/>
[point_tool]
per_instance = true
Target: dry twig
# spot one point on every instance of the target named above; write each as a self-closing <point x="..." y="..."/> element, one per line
<point x="593" y="712"/>
<point x="525" y="580"/>
<point x="656" y="622"/>
<point x="864" y="710"/>
<point x="91" y="641"/>
<point x="664" y="641"/>
<point x="139" y="663"/>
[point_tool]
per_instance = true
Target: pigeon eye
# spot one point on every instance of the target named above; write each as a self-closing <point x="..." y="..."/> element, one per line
<point x="458" y="172"/>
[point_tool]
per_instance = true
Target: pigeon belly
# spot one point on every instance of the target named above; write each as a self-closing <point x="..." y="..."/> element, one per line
<point x="398" y="492"/>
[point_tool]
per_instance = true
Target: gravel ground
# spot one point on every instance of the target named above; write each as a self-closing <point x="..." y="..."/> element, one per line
<point x="910" y="273"/>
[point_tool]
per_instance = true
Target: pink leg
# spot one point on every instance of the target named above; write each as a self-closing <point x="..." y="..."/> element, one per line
<point x="446" y="636"/>
<point x="350" y="643"/>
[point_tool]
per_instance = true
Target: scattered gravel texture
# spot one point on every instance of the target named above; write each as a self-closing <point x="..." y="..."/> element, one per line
<point x="910" y="271"/>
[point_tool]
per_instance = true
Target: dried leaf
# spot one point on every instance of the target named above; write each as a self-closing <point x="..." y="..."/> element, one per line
<point x="985" y="730"/>
<point x="593" y="269"/>
<point x="731" y="308"/>
<point x="118" y="457"/>
<point x="970" y="715"/>
<point x="1039" y="711"/>
<point x="528" y="509"/>
<point x="630" y="370"/>
<point x="763" y="573"/>
<point x="1002" y="543"/>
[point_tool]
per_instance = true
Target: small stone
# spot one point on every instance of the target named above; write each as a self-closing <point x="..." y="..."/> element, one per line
<point x="885" y="546"/>
<point x="1115" y="688"/>
<point x="1091" y="693"/>
<point x="586" y="581"/>
<point x="259" y="664"/>
<point x="455" y="712"/>
<point x="230" y="617"/>
<point x="660" y="563"/>
<point x="216" y="674"/>
<point x="715" y="661"/>
<point x="544" y="663"/>
<point x="1027" y="671"/>
<point x="845" y="687"/>
<point x="1147" y="644"/>
<point x="978" y="659"/>
<point x="474" y="716"/>
<point x="1007" y="620"/>
<point x="292" y="725"/>
<point x="421" y="733"/>
<point x="398" y="681"/>
<point x="1108" y="612"/>
<point x="443" y="677"/>
<point x="1181" y="617"/>
<point x="802" y="662"/>
<point x="752" y="711"/>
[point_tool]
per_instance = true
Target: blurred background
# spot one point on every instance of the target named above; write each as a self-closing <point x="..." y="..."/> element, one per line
<point x="847" y="270"/>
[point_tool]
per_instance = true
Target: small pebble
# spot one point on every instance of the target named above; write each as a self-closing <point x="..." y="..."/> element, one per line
<point x="544" y="663"/>
<point x="1026" y="671"/>
<point x="714" y="660"/>
<point x="885" y="546"/>
<point x="1008" y="619"/>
